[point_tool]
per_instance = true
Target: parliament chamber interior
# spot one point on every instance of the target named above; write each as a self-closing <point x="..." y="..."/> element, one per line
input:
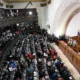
<point x="39" y="40"/>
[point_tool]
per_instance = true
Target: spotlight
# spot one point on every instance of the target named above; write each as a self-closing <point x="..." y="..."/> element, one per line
<point x="17" y="11"/>
<point x="17" y="24"/>
<point x="30" y="12"/>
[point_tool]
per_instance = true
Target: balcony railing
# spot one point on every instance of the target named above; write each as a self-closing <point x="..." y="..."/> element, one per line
<point x="13" y="20"/>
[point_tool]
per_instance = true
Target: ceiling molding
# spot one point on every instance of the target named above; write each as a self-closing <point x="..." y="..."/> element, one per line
<point x="13" y="1"/>
<point x="49" y="2"/>
<point x="43" y="5"/>
<point x="1" y="4"/>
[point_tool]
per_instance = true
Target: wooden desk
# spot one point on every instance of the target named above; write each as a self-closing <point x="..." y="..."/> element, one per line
<point x="71" y="54"/>
<point x="77" y="38"/>
<point x="77" y="48"/>
<point x="78" y="59"/>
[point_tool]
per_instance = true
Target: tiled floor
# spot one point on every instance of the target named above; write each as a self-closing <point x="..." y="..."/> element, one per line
<point x="66" y="62"/>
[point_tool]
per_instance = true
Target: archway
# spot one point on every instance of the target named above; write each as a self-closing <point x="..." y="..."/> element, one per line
<point x="66" y="17"/>
<point x="63" y="12"/>
<point x="70" y="20"/>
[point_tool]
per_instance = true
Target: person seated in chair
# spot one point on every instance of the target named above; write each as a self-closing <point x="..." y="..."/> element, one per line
<point x="31" y="56"/>
<point x="54" y="76"/>
<point x="52" y="52"/>
<point x="12" y="67"/>
<point x="54" y="57"/>
<point x="74" y="43"/>
<point x="12" y="64"/>
<point x="70" y="42"/>
<point x="59" y="78"/>
<point x="42" y="74"/>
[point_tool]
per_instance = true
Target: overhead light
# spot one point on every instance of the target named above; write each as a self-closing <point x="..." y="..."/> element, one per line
<point x="17" y="11"/>
<point x="17" y="24"/>
<point x="30" y="12"/>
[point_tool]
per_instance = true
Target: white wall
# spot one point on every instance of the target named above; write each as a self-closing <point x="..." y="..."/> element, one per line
<point x="74" y="26"/>
<point x="43" y="16"/>
<point x="51" y="12"/>
<point x="58" y="14"/>
<point x="61" y="23"/>
<point x="41" y="10"/>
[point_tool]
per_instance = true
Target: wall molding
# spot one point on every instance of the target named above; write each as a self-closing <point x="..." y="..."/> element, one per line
<point x="1" y="4"/>
<point x="9" y="6"/>
<point x="76" y="11"/>
<point x="49" y="2"/>
<point x="45" y="3"/>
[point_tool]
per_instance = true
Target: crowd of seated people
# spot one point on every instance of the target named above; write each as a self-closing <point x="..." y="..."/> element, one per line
<point x="32" y="58"/>
<point x="63" y="37"/>
<point x="10" y="13"/>
<point x="7" y="14"/>
<point x="5" y="37"/>
<point x="14" y="13"/>
<point x="52" y="38"/>
<point x="10" y="32"/>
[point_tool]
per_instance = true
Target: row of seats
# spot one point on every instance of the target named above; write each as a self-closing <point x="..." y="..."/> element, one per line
<point x="5" y="37"/>
<point x="32" y="58"/>
<point x="10" y="66"/>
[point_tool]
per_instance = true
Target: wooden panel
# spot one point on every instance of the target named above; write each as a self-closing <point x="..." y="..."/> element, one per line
<point x="49" y="2"/>
<point x="77" y="38"/>
<point x="71" y="54"/>
<point x="1" y="4"/>
<point x="77" y="48"/>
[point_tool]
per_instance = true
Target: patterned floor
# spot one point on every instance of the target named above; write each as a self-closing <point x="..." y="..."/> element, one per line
<point x="66" y="62"/>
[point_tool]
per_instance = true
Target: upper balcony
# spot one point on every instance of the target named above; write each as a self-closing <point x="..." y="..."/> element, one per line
<point x="9" y="17"/>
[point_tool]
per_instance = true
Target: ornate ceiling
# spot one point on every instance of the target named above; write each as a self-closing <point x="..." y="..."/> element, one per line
<point x="23" y="0"/>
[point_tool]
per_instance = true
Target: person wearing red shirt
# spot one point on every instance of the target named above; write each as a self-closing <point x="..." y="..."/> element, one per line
<point x="30" y="55"/>
<point x="52" y="52"/>
<point x="54" y="57"/>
